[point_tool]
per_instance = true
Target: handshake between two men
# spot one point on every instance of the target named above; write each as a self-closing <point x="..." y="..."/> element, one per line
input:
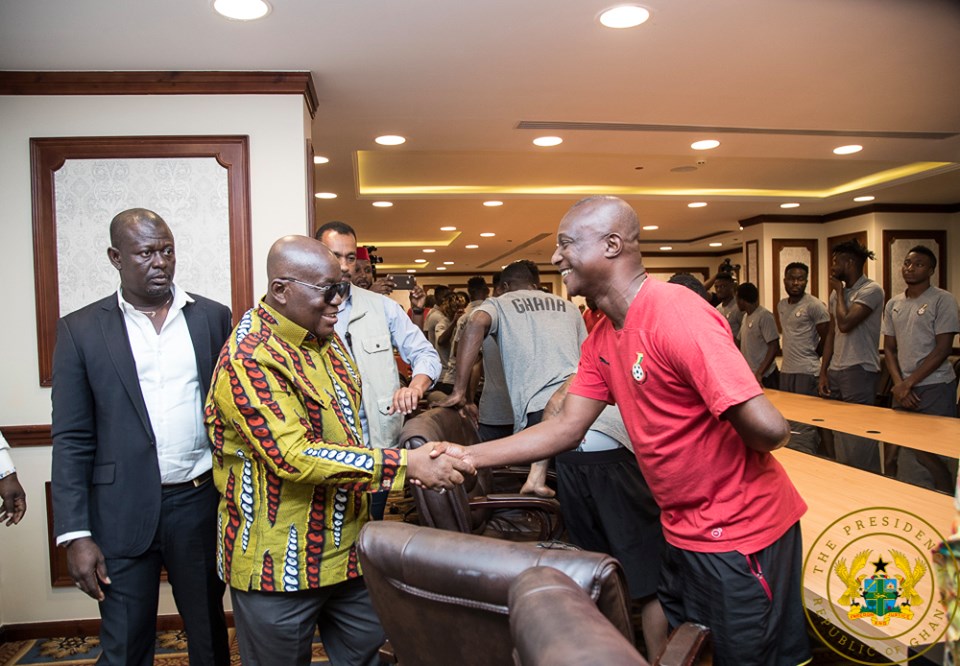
<point x="439" y="465"/>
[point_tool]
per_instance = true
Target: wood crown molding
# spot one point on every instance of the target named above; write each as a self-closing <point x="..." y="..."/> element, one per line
<point x="27" y="435"/>
<point x="161" y="83"/>
<point x="851" y="212"/>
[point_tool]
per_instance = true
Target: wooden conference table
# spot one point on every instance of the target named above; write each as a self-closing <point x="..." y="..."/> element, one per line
<point x="838" y="496"/>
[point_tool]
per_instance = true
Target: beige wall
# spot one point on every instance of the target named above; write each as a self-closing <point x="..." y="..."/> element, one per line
<point x="277" y="129"/>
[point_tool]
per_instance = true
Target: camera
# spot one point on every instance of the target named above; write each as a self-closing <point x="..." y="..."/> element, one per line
<point x="374" y="258"/>
<point x="727" y="268"/>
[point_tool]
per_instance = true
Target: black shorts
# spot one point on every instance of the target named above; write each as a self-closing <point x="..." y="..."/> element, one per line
<point x="753" y="603"/>
<point x="607" y="507"/>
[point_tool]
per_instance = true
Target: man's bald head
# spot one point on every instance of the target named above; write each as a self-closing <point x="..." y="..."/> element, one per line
<point x="123" y="220"/>
<point x="294" y="256"/>
<point x="606" y="215"/>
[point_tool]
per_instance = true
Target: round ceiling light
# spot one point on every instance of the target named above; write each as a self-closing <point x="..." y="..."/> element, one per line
<point x="492" y="204"/>
<point x="666" y="248"/>
<point x="428" y="250"/>
<point x="448" y="228"/>
<point x="651" y="227"/>
<point x="441" y="268"/>
<point x="390" y="140"/>
<point x="697" y="204"/>
<point x="847" y="150"/>
<point x="624" y="16"/>
<point x="547" y="141"/>
<point x="325" y="195"/>
<point x="487" y="234"/>
<point x="706" y="144"/>
<point x="320" y="159"/>
<point x="715" y="244"/>
<point x="448" y="263"/>
<point x="790" y="205"/>
<point x="472" y="246"/>
<point x="864" y="198"/>
<point x="382" y="204"/>
<point x="241" y="10"/>
<point x="419" y="261"/>
<point x="411" y="270"/>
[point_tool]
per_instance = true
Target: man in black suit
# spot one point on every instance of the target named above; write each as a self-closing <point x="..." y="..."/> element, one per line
<point x="132" y="486"/>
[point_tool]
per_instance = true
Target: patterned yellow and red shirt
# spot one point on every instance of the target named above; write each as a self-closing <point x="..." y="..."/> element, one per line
<point x="288" y="457"/>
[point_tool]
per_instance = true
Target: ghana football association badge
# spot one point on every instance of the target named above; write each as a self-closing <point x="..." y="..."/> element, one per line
<point x="639" y="375"/>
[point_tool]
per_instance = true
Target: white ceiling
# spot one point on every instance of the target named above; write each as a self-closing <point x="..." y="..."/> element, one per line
<point x="456" y="78"/>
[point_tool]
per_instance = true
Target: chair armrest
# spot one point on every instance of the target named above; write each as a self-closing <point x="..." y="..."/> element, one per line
<point x="684" y="646"/>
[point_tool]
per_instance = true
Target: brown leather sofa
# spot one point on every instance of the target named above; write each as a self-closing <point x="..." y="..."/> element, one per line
<point x="443" y="596"/>
<point x="554" y="623"/>
<point x="474" y="507"/>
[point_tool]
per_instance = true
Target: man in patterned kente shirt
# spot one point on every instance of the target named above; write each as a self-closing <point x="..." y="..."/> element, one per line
<point x="293" y="472"/>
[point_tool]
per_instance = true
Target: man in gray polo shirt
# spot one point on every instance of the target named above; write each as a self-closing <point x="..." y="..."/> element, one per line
<point x="759" y="338"/>
<point x="726" y="288"/>
<point x="851" y="357"/>
<point x="919" y="326"/>
<point x="804" y="322"/>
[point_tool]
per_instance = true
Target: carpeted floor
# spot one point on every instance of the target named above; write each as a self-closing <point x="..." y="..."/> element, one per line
<point x="171" y="651"/>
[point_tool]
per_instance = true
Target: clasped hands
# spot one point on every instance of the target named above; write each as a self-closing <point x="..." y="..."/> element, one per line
<point x="439" y="465"/>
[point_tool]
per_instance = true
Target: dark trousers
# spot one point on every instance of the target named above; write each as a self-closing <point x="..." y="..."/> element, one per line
<point x="752" y="603"/>
<point x="859" y="386"/>
<point x="185" y="544"/>
<point x="276" y="628"/>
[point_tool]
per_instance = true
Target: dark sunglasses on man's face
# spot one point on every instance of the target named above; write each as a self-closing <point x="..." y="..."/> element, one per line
<point x="330" y="291"/>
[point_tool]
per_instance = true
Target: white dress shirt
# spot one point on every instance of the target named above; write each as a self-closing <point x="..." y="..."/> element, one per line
<point x="170" y="384"/>
<point x="6" y="462"/>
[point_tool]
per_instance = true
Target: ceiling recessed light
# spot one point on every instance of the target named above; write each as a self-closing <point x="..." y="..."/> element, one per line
<point x="472" y="246"/>
<point x="651" y="227"/>
<point x="847" y="150"/>
<point x="716" y="244"/>
<point x="448" y="263"/>
<point x="390" y="140"/>
<point x="441" y="268"/>
<point x="325" y="195"/>
<point x="547" y="141"/>
<point x="624" y="16"/>
<point x="697" y="204"/>
<point x="242" y="10"/>
<point x="790" y="205"/>
<point x="448" y="228"/>
<point x="706" y="144"/>
<point x="382" y="204"/>
<point x="419" y="261"/>
<point x="492" y="204"/>
<point x="666" y="248"/>
<point x="487" y="234"/>
<point x="411" y="270"/>
<point x="864" y="198"/>
<point x="428" y="250"/>
<point x="320" y="159"/>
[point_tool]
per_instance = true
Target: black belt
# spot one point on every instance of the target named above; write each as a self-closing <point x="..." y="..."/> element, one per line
<point x="195" y="483"/>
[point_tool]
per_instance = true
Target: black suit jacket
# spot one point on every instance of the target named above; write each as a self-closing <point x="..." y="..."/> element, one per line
<point x="106" y="478"/>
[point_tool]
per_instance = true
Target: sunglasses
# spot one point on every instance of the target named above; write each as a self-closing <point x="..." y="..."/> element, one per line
<point x="330" y="291"/>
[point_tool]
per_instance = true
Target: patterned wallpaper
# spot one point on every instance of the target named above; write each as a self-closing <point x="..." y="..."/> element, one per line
<point x="190" y="194"/>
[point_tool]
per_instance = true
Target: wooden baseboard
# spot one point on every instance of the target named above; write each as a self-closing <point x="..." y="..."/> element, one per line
<point x="90" y="627"/>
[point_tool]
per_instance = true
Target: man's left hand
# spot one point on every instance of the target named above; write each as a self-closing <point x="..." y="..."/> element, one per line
<point x="405" y="400"/>
<point x="14" y="500"/>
